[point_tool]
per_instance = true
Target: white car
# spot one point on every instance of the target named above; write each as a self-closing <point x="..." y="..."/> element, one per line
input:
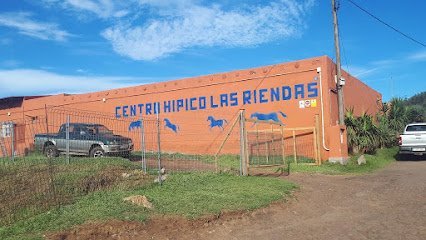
<point x="413" y="140"/>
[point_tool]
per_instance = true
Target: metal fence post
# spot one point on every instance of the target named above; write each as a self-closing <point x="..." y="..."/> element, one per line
<point x="159" y="149"/>
<point x="243" y="145"/>
<point x="267" y="147"/>
<point x="294" y="147"/>
<point x="12" y="134"/>
<point x="2" y="142"/>
<point x="143" y="150"/>
<point x="67" y="136"/>
<point x="47" y="120"/>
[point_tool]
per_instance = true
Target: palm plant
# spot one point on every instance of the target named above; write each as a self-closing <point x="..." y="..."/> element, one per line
<point x="363" y="135"/>
<point x="386" y="136"/>
<point x="366" y="134"/>
<point x="397" y="115"/>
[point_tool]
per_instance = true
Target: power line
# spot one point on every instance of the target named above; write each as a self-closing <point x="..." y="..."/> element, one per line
<point x="388" y="25"/>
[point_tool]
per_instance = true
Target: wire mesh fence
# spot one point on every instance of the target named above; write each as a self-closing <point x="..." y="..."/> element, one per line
<point x="266" y="147"/>
<point x="56" y="157"/>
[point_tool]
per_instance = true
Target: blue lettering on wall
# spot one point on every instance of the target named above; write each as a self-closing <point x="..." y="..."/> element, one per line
<point x="156" y="107"/>
<point x="191" y="104"/>
<point x="286" y="92"/>
<point x="132" y="110"/>
<point x="299" y="91"/>
<point x="186" y="104"/>
<point x="212" y="104"/>
<point x="173" y="105"/>
<point x="263" y="95"/>
<point x="167" y="106"/>
<point x="275" y="94"/>
<point x="148" y="108"/>
<point x="233" y="97"/>
<point x="179" y="104"/>
<point x="246" y="97"/>
<point x="262" y="98"/>
<point x="140" y="105"/>
<point x="202" y="103"/>
<point x="125" y="114"/>
<point x="312" y="90"/>
<point x="117" y="109"/>
<point x="223" y="99"/>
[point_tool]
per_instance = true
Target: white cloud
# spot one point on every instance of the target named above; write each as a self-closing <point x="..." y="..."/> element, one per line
<point x="101" y="8"/>
<point x="81" y="70"/>
<point x="384" y="64"/>
<point x="25" y="25"/>
<point x="20" y="82"/>
<point x="206" y="26"/>
<point x="418" y="56"/>
<point x="360" y="71"/>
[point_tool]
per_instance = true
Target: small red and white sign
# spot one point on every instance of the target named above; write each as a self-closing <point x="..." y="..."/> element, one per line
<point x="308" y="103"/>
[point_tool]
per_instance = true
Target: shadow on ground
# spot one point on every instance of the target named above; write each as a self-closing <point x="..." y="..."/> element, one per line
<point x="408" y="157"/>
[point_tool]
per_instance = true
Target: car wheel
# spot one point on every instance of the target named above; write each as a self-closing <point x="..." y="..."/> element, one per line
<point x="97" y="152"/>
<point x="51" y="151"/>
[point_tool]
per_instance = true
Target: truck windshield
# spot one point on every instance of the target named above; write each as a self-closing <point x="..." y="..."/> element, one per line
<point x="103" y="130"/>
<point x="416" y="128"/>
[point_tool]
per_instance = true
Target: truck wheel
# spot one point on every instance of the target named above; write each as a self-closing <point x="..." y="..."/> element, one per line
<point x="125" y="155"/>
<point x="50" y="151"/>
<point x="97" y="152"/>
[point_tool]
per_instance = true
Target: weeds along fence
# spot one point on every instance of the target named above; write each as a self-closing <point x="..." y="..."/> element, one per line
<point x="31" y="183"/>
<point x="48" y="160"/>
<point x="59" y="155"/>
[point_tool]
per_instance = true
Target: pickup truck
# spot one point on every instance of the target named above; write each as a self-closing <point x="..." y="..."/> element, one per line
<point x="94" y="140"/>
<point x="413" y="140"/>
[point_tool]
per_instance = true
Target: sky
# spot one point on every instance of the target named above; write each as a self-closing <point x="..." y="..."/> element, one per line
<point x="78" y="46"/>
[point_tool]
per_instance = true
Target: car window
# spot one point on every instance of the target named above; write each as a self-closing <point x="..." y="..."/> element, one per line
<point x="91" y="130"/>
<point x="63" y="128"/>
<point x="416" y="128"/>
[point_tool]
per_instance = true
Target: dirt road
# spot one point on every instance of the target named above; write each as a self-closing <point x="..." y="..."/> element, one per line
<point x="388" y="204"/>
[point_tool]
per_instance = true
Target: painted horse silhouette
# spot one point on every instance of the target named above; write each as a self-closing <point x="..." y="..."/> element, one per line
<point x="170" y="125"/>
<point x="135" y="125"/>
<point x="216" y="123"/>
<point x="273" y="116"/>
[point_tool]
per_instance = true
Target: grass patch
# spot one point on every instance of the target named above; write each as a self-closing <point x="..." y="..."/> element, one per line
<point x="379" y="160"/>
<point x="186" y="194"/>
<point x="35" y="184"/>
<point x="226" y="162"/>
<point x="194" y="195"/>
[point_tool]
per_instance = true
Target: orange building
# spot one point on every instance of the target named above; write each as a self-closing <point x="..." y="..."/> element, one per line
<point x="292" y="93"/>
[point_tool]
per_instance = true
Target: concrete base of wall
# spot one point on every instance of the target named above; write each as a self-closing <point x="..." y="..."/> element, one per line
<point x="341" y="160"/>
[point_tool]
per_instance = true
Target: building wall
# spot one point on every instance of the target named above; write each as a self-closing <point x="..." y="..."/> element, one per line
<point x="293" y="89"/>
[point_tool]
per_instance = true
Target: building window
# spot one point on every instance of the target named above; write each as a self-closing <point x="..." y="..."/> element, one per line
<point x="6" y="130"/>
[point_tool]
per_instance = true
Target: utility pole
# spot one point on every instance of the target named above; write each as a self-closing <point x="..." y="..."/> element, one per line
<point x="339" y="82"/>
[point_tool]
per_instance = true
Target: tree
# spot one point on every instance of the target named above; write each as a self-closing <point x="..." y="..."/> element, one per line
<point x="366" y="133"/>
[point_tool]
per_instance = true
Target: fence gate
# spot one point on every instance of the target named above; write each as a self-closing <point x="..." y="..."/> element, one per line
<point x="265" y="145"/>
<point x="271" y="145"/>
